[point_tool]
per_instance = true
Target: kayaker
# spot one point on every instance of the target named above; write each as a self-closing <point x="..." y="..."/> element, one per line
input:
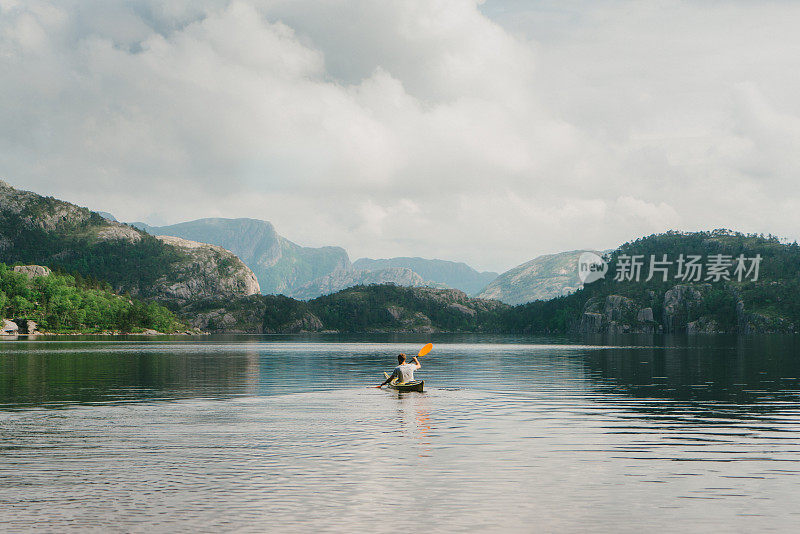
<point x="403" y="372"/>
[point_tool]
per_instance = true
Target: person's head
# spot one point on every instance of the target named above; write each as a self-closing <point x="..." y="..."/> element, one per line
<point x="401" y="358"/>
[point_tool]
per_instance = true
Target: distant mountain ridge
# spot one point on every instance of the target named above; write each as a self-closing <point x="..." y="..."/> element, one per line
<point x="543" y="278"/>
<point x="211" y="288"/>
<point x="280" y="265"/>
<point x="339" y="280"/>
<point x="455" y="275"/>
<point x="284" y="267"/>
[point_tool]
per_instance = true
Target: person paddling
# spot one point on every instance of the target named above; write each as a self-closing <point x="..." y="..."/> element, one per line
<point x="404" y="372"/>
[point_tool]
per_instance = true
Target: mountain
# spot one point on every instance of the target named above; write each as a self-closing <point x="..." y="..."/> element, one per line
<point x="452" y="274"/>
<point x="738" y="284"/>
<point x="543" y="278"/>
<point x="206" y="271"/>
<point x="339" y="280"/>
<point x="280" y="265"/>
<point x="46" y="231"/>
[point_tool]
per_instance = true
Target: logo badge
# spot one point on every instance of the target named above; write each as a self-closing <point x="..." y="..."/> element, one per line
<point x="591" y="267"/>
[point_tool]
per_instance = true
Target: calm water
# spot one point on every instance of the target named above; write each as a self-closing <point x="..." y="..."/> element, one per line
<point x="281" y="434"/>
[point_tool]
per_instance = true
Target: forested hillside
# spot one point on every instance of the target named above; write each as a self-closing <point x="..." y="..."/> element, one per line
<point x="46" y="231"/>
<point x="373" y="308"/>
<point x="65" y="303"/>
<point x="719" y="281"/>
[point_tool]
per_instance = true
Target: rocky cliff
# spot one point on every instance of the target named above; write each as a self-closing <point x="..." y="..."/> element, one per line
<point x="280" y="265"/>
<point x="207" y="271"/>
<point x="683" y="309"/>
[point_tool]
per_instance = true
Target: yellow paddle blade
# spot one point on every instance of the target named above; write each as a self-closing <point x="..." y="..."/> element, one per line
<point x="425" y="350"/>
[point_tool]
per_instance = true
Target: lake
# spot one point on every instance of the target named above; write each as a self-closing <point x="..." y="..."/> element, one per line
<point x="280" y="433"/>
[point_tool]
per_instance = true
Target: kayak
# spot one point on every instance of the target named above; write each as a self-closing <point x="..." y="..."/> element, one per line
<point x="415" y="385"/>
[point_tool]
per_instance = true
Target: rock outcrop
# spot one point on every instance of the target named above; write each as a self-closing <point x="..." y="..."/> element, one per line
<point x="31" y="327"/>
<point x="45" y="213"/>
<point x="206" y="272"/>
<point x="680" y="303"/>
<point x="703" y="325"/>
<point x="307" y="323"/>
<point x="759" y="323"/>
<point x="26" y="326"/>
<point x="32" y="271"/>
<point x="119" y="232"/>
<point x="247" y="316"/>
<point x="681" y="312"/>
<point x="8" y="328"/>
<point x="616" y="314"/>
<point x="591" y="323"/>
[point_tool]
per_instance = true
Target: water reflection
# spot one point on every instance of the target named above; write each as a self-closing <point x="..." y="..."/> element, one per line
<point x="605" y="436"/>
<point x="714" y="368"/>
<point x="66" y="373"/>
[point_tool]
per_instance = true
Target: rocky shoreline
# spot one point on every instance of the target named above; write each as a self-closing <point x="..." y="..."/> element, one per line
<point x="12" y="329"/>
<point x="681" y="311"/>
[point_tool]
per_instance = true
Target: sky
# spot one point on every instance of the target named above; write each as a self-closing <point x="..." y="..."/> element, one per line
<point x="488" y="132"/>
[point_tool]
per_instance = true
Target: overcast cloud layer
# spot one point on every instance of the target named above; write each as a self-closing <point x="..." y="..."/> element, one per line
<point x="440" y="128"/>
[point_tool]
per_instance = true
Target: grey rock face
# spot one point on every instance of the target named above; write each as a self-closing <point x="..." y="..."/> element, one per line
<point x="406" y="321"/>
<point x="463" y="309"/>
<point x="616" y="314"/>
<point x="59" y="215"/>
<point x="682" y="306"/>
<point x="33" y="271"/>
<point x="680" y="303"/>
<point x="9" y="328"/>
<point x="703" y="325"/>
<point x="645" y="315"/>
<point x="757" y="323"/>
<point x="619" y="309"/>
<point x="591" y="323"/>
<point x="119" y="232"/>
<point x="26" y="326"/>
<point x="395" y="312"/>
<point x="207" y="272"/>
<point x="308" y="323"/>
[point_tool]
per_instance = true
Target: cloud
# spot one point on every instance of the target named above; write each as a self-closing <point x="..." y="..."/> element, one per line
<point x="443" y="128"/>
